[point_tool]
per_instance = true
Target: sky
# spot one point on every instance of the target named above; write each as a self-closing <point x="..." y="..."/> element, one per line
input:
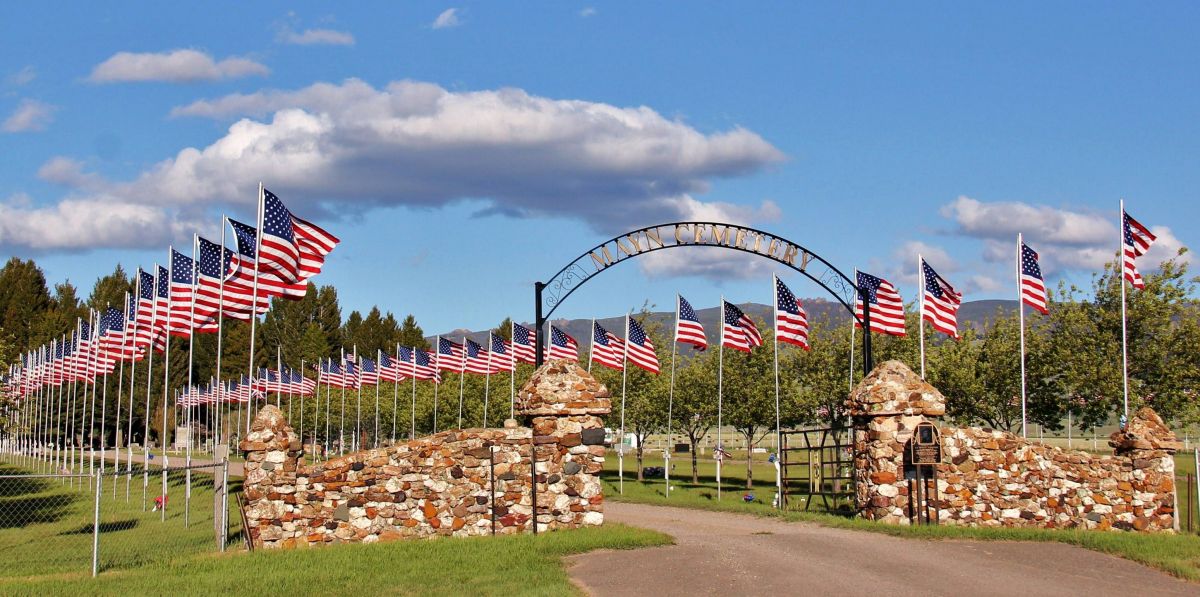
<point x="462" y="151"/>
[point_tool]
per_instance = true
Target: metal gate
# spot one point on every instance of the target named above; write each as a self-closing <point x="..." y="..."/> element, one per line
<point x="818" y="465"/>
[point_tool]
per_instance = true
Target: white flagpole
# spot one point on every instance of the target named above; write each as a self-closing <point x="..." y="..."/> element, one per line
<point x="188" y="408"/>
<point x="671" y="403"/>
<point x="852" y="333"/>
<point x="166" y="380"/>
<point x="592" y="346"/>
<point x="149" y="379"/>
<point x="778" y="429"/>
<point x="396" y="393"/>
<point x="342" y="410"/>
<point x="437" y="368"/>
<point x="279" y="372"/>
<point x="1120" y="272"/>
<point x="221" y="331"/>
<point x="512" y="375"/>
<point x="120" y="394"/>
<point x="378" y="378"/>
<point x="412" y="433"/>
<point x="301" y="392"/>
<point x="254" y="299"/>
<point x="462" y="377"/>
<point x="921" y="319"/>
<point x="1021" y="323"/>
<point x="487" y="380"/>
<point x="720" y="395"/>
<point x="624" y="376"/>
<point x="357" y="443"/>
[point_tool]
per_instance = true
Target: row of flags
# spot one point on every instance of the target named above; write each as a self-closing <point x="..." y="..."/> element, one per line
<point x="188" y="296"/>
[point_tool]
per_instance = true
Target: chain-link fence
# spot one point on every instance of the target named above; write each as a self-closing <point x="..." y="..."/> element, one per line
<point x="54" y="523"/>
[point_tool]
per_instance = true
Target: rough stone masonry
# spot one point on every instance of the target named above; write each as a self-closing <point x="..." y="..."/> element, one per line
<point x="993" y="478"/>
<point x="457" y="482"/>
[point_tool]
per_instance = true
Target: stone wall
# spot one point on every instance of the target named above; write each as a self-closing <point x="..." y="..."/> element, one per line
<point x="458" y="482"/>
<point x="993" y="478"/>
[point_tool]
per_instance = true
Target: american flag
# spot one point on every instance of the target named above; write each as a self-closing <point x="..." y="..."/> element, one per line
<point x="314" y="244"/>
<point x="145" y="311"/>
<point x="562" y="346"/>
<point x="242" y="272"/>
<point x="941" y="303"/>
<point x="687" y="326"/>
<point x="887" y="308"/>
<point x="183" y="270"/>
<point x="280" y="255"/>
<point x="425" y="367"/>
<point x="302" y="384"/>
<point x="502" y="354"/>
<point x="162" y="301"/>
<point x="389" y="370"/>
<point x="351" y="373"/>
<point x="331" y="374"/>
<point x="523" y="344"/>
<point x="1033" y="288"/>
<point x="267" y="380"/>
<point x="1137" y="240"/>
<point x="607" y="349"/>
<point x="369" y="375"/>
<point x="476" y="358"/>
<point x="233" y="299"/>
<point x="739" y="331"/>
<point x="406" y="364"/>
<point x="449" y="355"/>
<point x="791" y="322"/>
<point x="112" y="332"/>
<point x="639" y="348"/>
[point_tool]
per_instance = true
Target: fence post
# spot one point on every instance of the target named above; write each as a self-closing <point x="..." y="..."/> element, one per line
<point x="96" y="529"/>
<point x="219" y="490"/>
<point x="225" y="500"/>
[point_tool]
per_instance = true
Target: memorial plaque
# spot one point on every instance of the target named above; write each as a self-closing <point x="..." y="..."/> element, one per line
<point x="925" y="448"/>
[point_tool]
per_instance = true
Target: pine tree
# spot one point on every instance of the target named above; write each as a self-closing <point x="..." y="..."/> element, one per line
<point x="411" y="334"/>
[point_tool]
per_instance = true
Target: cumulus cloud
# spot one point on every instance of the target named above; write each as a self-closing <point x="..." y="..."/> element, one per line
<point x="1065" y="238"/>
<point x="448" y="18"/>
<point x="355" y="147"/>
<point x="22" y="77"/>
<point x="315" y="37"/>
<point x="88" y="223"/>
<point x="30" y="115"/>
<point x="174" y="66"/>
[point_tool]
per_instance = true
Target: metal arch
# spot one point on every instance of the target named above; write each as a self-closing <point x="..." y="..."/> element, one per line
<point x="573" y="275"/>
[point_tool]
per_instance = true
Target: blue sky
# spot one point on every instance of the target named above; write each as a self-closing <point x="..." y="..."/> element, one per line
<point x="463" y="151"/>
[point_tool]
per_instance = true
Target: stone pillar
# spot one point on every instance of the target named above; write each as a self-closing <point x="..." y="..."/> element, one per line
<point x="272" y="452"/>
<point x="886" y="406"/>
<point x="564" y="403"/>
<point x="1150" y="445"/>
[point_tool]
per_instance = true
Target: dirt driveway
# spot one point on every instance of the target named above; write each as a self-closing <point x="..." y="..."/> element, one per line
<point x="732" y="554"/>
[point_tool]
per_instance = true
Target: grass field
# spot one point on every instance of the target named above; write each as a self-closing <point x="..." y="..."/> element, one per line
<point x="46" y="524"/>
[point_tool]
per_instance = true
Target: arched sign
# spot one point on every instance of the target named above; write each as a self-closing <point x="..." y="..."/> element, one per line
<point x="549" y="295"/>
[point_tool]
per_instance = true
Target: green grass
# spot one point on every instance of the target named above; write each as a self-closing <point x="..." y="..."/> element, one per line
<point x="1178" y="555"/>
<point x="46" y="524"/>
<point x="507" y="565"/>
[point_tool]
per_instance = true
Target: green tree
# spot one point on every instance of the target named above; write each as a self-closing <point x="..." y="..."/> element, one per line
<point x="24" y="299"/>
<point x="411" y="334"/>
<point x="695" y="406"/>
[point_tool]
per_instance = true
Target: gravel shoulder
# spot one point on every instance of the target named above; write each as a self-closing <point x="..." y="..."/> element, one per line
<point x="722" y="554"/>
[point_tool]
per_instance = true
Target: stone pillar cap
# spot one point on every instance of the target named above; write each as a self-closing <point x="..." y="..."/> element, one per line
<point x="894" y="389"/>
<point x="561" y="387"/>
<point x="1146" y="431"/>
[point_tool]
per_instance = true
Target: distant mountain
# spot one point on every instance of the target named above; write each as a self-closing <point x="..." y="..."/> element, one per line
<point x="975" y="313"/>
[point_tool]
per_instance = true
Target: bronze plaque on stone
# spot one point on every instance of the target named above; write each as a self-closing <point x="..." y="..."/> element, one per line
<point x="925" y="448"/>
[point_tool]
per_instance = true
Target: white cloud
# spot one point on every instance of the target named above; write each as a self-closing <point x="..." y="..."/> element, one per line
<point x="312" y="37"/>
<point x="22" y="77"/>
<point x="1065" y="239"/>
<point x="708" y="262"/>
<point x="448" y="18"/>
<point x="175" y="66"/>
<point x="30" y="115"/>
<point x="355" y="147"/>
<point x="588" y="12"/>
<point x="83" y="224"/>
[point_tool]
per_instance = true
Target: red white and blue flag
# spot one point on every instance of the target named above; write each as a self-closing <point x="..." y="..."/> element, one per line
<point x="941" y="302"/>
<point x="424" y="366"/>
<point x="562" y="346"/>
<point x="687" y="325"/>
<point x="369" y="375"/>
<point x="607" y="349"/>
<point x="638" y="347"/>
<point x="1033" y="288"/>
<point x="738" y="330"/>
<point x="887" y="308"/>
<point x="1136" y="241"/>
<point x="449" y="355"/>
<point x="476" y="360"/>
<point x="523" y="344"/>
<point x="502" y="354"/>
<point x="791" y="322"/>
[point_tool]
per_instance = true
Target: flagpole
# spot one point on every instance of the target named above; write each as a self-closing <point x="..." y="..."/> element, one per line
<point x="624" y="376"/>
<point x="120" y="394"/>
<point x="1120" y="272"/>
<point x="149" y="380"/>
<point x="671" y="404"/>
<point x="188" y="408"/>
<point x="720" y="395"/>
<point x="462" y="376"/>
<point x="512" y="375"/>
<point x="328" y="405"/>
<point x="592" y="346"/>
<point x="396" y="392"/>
<point x="778" y="432"/>
<point x="378" y="362"/>
<point x="88" y="372"/>
<point x="487" y="380"/>
<point x="254" y="300"/>
<point x="412" y="433"/>
<point x="921" y="319"/>
<point x="852" y="334"/>
<point x="437" y="367"/>
<point x="1021" y="323"/>
<point x="358" y="404"/>
<point x="342" y="411"/>
<point x="279" y="372"/>
<point x="301" y="392"/>
<point x="221" y="331"/>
